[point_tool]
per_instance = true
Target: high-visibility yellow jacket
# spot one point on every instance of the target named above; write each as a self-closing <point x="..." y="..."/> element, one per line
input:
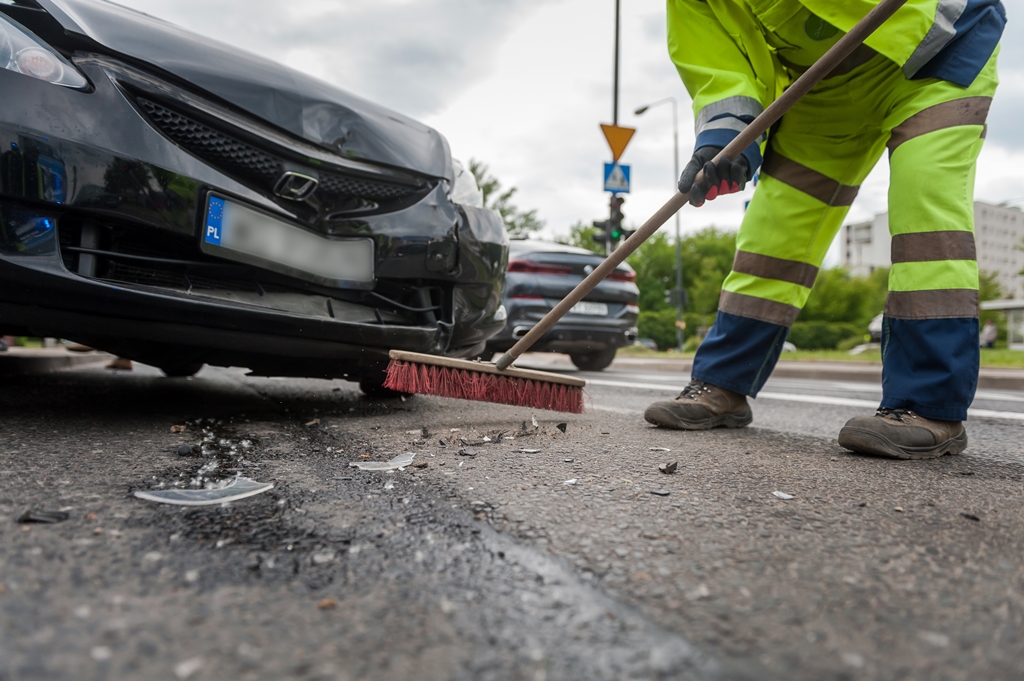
<point x="723" y="55"/>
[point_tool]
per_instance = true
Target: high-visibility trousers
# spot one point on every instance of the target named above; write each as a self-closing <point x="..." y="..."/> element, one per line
<point x="817" y="157"/>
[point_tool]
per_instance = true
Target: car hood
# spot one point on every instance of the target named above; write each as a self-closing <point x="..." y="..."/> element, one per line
<point x="288" y="99"/>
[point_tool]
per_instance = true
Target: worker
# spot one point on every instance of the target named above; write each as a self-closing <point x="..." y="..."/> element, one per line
<point x="920" y="88"/>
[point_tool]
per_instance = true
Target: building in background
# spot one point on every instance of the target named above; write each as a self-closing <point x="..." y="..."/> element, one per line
<point x="998" y="230"/>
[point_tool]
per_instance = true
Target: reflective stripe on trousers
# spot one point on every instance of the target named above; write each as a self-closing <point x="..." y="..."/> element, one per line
<point x="819" y="154"/>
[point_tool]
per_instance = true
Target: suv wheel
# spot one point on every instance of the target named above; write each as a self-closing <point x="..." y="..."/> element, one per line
<point x="593" y="361"/>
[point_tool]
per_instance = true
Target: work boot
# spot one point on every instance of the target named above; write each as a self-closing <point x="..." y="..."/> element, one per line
<point x="701" y="406"/>
<point x="902" y="434"/>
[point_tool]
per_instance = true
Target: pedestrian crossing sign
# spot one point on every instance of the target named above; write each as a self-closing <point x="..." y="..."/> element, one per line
<point x="616" y="178"/>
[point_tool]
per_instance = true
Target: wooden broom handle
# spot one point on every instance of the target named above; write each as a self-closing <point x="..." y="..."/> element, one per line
<point x="840" y="51"/>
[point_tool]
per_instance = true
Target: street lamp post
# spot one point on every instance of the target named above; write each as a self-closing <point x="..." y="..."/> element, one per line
<point x="675" y="180"/>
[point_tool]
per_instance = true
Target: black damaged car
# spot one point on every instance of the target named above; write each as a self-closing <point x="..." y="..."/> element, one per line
<point x="179" y="202"/>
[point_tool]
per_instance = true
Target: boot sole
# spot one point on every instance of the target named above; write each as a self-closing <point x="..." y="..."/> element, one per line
<point x="667" y="419"/>
<point x="868" y="442"/>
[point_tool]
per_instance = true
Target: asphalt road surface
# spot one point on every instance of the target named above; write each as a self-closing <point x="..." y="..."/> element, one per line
<point x="539" y="554"/>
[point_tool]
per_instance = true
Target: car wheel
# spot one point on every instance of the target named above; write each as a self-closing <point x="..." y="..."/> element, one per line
<point x="593" y="361"/>
<point x="182" y="370"/>
<point x="374" y="388"/>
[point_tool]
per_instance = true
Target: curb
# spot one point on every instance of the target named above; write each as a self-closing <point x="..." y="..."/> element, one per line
<point x="862" y="372"/>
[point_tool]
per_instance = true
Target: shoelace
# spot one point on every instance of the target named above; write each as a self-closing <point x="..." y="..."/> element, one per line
<point x="896" y="414"/>
<point x="694" y="390"/>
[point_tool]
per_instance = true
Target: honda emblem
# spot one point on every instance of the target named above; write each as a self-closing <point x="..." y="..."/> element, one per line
<point x="295" y="186"/>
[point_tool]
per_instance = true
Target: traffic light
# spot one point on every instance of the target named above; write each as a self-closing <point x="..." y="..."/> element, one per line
<point x="615" y="230"/>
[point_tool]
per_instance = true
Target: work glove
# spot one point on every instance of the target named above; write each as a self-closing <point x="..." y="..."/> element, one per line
<point x="725" y="177"/>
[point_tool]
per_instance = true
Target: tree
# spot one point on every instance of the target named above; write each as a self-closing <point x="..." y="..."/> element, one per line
<point x="517" y="222"/>
<point x="581" y="235"/>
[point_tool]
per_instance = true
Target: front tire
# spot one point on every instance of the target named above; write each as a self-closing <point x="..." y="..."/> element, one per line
<point x="593" y="361"/>
<point x="374" y="389"/>
<point x="181" y="370"/>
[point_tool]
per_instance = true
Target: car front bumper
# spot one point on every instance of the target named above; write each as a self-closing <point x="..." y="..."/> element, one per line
<point x="71" y="159"/>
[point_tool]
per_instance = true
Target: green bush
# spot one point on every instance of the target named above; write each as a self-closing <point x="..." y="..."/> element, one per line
<point x="852" y="342"/>
<point x="660" y="326"/>
<point x="822" y="335"/>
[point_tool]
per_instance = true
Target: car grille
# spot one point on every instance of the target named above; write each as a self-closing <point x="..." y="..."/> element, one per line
<point x="241" y="159"/>
<point x="212" y="145"/>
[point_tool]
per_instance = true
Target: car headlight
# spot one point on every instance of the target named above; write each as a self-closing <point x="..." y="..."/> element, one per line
<point x="24" y="53"/>
<point x="465" y="192"/>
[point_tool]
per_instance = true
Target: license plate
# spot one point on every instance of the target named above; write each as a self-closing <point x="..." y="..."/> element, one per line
<point x="593" y="309"/>
<point x="237" y="232"/>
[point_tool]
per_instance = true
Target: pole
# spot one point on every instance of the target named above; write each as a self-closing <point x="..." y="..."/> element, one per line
<point x="679" y="244"/>
<point x="615" y="80"/>
<point x="678" y="291"/>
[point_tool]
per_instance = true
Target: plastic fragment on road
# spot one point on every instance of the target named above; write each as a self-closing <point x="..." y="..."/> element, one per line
<point x="234" y="489"/>
<point x="562" y="426"/>
<point x="658" y="449"/>
<point x="46" y="517"/>
<point x="783" y="495"/>
<point x="526" y="451"/>
<point x="467" y="452"/>
<point x="400" y="461"/>
<point x="535" y="424"/>
<point x="570" y="483"/>
<point x="971" y="516"/>
<point x="660" y="492"/>
<point x="177" y="429"/>
<point x="668" y="468"/>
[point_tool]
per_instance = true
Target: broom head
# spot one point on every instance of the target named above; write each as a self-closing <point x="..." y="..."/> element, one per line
<point x="412" y="372"/>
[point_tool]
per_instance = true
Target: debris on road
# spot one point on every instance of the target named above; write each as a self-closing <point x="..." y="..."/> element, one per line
<point x="187" y="668"/>
<point x="400" y="461"/>
<point x="570" y="483"/>
<point x="327" y="603"/>
<point x="660" y="492"/>
<point x="786" y="497"/>
<point x="178" y="429"/>
<point x="185" y="450"/>
<point x="535" y="424"/>
<point x="562" y="426"/>
<point x="569" y="460"/>
<point x="46" y="517"/>
<point x="668" y="468"/>
<point x="526" y="451"/>
<point x="230" y="490"/>
<point x="898" y="509"/>
<point x="658" y="449"/>
<point x="420" y="464"/>
<point x="971" y="516"/>
<point x="466" y="452"/>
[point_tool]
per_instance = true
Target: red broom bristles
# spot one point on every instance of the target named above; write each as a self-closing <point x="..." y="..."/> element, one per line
<point x="424" y="379"/>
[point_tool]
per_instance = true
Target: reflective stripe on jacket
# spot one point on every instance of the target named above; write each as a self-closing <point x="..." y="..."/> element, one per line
<point x="723" y="56"/>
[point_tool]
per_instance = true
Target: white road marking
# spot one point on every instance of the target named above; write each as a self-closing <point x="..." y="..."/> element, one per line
<point x="789" y="397"/>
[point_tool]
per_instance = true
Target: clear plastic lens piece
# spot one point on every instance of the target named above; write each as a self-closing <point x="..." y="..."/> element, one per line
<point x="22" y="52"/>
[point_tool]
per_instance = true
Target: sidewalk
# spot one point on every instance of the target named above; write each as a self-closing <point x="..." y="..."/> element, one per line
<point x="29" y="361"/>
<point x="865" y="372"/>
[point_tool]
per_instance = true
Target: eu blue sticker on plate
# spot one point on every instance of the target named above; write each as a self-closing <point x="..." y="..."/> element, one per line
<point x="214" y="221"/>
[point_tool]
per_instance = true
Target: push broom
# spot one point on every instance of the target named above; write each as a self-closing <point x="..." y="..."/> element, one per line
<point x="500" y="382"/>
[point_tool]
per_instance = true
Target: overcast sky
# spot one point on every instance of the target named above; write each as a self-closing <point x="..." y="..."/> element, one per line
<point x="523" y="84"/>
